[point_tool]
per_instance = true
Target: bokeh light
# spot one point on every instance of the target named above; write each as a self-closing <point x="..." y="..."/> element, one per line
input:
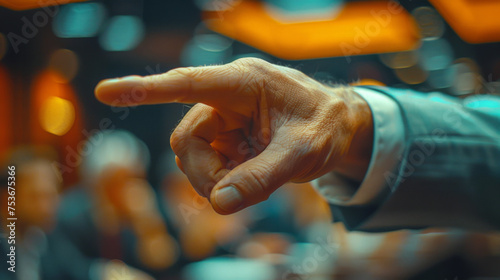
<point x="474" y="22"/>
<point x="65" y="63"/>
<point x="206" y="49"/>
<point x="430" y="23"/>
<point x="300" y="10"/>
<point x="412" y="75"/>
<point x="6" y="110"/>
<point x="352" y="31"/>
<point x="300" y="6"/>
<point x="57" y="115"/>
<point x="3" y="45"/>
<point x="368" y="82"/>
<point x="230" y="269"/>
<point x="79" y="20"/>
<point x="467" y="79"/>
<point x="122" y="33"/>
<point x="435" y="55"/>
<point x="216" y="5"/>
<point x="442" y="78"/>
<point x="399" y="59"/>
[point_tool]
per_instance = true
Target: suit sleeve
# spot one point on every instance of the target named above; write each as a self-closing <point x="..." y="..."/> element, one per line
<point x="435" y="162"/>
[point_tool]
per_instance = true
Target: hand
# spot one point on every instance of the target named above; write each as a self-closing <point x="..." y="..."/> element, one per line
<point x="256" y="126"/>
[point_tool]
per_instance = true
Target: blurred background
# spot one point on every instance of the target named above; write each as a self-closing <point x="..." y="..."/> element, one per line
<point x="98" y="193"/>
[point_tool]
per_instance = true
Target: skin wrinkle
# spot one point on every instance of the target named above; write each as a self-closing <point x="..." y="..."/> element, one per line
<point x="188" y="84"/>
<point x="312" y="126"/>
<point x="263" y="112"/>
<point x="332" y="116"/>
<point x="303" y="112"/>
<point x="277" y="157"/>
<point x="258" y="175"/>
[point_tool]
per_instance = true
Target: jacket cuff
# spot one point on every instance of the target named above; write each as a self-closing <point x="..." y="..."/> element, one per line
<point x="388" y="149"/>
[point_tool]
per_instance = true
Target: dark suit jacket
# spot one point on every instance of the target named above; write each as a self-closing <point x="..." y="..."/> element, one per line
<point x="449" y="175"/>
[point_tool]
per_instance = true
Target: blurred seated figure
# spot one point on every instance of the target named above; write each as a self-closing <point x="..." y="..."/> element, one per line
<point x="114" y="214"/>
<point x="201" y="231"/>
<point x="204" y="233"/>
<point x="36" y="199"/>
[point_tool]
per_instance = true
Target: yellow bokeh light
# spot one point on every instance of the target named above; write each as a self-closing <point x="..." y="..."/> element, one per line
<point x="368" y="82"/>
<point x="57" y="115"/>
<point x="412" y="75"/>
<point x="400" y="59"/>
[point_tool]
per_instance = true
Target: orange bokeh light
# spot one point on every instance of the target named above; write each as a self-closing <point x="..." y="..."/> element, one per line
<point x="474" y="21"/>
<point x="359" y="28"/>
<point x="6" y="111"/>
<point x="20" y="5"/>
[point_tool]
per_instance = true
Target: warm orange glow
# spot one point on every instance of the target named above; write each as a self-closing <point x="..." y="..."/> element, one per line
<point x="367" y="82"/>
<point x="474" y="21"/>
<point x="19" y="5"/>
<point x="57" y="115"/>
<point x="412" y="75"/>
<point x="6" y="111"/>
<point x="54" y="107"/>
<point x="400" y="59"/>
<point x="360" y="28"/>
<point x="50" y="98"/>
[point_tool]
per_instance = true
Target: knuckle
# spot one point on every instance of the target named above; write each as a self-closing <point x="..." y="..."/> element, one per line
<point x="177" y="140"/>
<point x="259" y="183"/>
<point x="254" y="66"/>
<point x="256" y="74"/>
<point x="252" y="63"/>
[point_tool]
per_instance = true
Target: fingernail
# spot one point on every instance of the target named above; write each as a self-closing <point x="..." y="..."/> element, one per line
<point x="229" y="198"/>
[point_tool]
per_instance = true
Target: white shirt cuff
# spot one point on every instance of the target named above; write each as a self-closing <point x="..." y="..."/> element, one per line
<point x="388" y="148"/>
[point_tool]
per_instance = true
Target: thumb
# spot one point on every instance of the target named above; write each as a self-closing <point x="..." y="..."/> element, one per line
<point x="252" y="181"/>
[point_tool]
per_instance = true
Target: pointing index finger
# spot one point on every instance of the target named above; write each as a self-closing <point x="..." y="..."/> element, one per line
<point x="209" y="85"/>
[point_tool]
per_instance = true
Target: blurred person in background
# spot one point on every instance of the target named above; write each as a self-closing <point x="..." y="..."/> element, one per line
<point x="113" y="214"/>
<point x="41" y="251"/>
<point x="202" y="232"/>
<point x="37" y="197"/>
<point x="267" y="229"/>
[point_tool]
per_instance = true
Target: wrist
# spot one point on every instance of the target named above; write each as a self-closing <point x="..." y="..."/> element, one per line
<point x="354" y="163"/>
